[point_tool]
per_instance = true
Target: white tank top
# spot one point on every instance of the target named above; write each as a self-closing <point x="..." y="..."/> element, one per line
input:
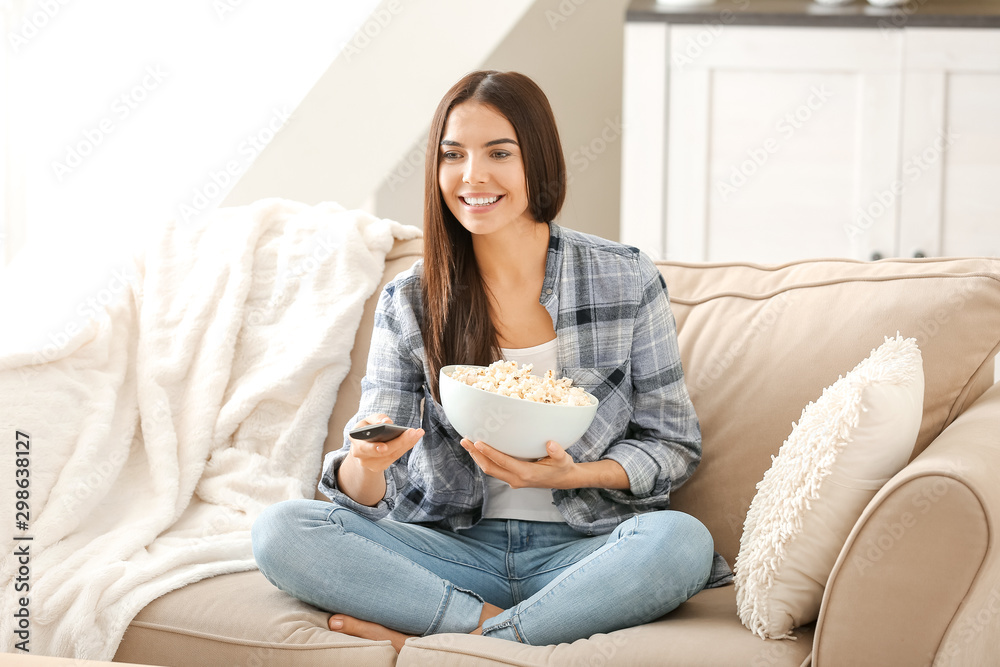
<point x="503" y="502"/>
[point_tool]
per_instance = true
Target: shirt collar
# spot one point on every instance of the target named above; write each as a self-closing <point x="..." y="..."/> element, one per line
<point x="549" y="297"/>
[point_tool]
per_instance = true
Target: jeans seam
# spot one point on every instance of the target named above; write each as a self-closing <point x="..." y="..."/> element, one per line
<point x="450" y="591"/>
<point x="439" y="614"/>
<point x="509" y="623"/>
<point x="632" y="530"/>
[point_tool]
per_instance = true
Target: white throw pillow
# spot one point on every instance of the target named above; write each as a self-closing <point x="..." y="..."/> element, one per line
<point x="846" y="445"/>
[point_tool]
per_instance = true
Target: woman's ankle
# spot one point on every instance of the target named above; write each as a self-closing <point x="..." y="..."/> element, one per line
<point x="489" y="611"/>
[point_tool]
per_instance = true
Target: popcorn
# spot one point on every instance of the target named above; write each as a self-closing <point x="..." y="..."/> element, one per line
<point x="505" y="378"/>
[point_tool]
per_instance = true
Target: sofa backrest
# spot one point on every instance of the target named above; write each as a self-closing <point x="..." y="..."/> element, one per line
<point x="758" y="343"/>
<point x="400" y="257"/>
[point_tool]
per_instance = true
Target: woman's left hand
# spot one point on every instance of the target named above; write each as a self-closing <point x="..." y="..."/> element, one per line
<point x="558" y="470"/>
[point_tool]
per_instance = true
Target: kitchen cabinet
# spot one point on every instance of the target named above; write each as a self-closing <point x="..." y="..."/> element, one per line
<point x="781" y="135"/>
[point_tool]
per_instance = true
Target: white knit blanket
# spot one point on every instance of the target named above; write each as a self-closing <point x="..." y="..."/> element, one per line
<point x="161" y="430"/>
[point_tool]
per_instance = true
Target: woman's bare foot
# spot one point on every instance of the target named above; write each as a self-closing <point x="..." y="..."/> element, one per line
<point x="366" y="630"/>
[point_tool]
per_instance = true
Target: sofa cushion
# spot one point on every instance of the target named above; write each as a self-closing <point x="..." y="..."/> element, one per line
<point x="846" y="445"/>
<point x="705" y="630"/>
<point x="241" y="619"/>
<point x="759" y="342"/>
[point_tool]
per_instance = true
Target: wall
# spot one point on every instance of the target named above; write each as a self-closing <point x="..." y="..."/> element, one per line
<point x="386" y="94"/>
<point x="362" y="115"/>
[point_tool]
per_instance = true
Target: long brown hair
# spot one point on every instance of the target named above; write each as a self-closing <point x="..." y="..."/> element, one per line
<point x="457" y="324"/>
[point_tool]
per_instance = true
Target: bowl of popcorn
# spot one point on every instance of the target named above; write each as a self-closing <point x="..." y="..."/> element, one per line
<point x="514" y="411"/>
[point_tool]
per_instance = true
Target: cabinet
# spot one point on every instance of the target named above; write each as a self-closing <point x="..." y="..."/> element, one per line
<point x="774" y="143"/>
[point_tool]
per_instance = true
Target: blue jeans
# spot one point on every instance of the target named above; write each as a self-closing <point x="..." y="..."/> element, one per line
<point x="555" y="584"/>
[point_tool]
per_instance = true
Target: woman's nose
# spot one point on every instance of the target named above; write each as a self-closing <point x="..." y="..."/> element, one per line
<point x="474" y="172"/>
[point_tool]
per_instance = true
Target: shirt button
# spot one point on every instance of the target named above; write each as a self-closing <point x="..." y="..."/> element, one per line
<point x="548" y="291"/>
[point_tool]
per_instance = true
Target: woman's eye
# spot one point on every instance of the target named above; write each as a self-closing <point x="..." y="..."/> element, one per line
<point x="450" y="155"/>
<point x="500" y="155"/>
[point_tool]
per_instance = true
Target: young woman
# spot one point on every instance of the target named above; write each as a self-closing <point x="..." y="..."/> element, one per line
<point x="432" y="533"/>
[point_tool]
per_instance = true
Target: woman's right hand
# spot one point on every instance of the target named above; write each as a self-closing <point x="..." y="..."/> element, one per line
<point x="378" y="456"/>
<point x="362" y="474"/>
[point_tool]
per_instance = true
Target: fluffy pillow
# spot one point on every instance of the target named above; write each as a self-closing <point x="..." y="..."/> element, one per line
<point x="846" y="445"/>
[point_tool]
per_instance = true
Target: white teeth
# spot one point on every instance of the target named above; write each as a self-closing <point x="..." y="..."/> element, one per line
<point x="480" y="201"/>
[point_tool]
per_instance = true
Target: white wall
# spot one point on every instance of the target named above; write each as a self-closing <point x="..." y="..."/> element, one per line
<point x="122" y="113"/>
<point x="363" y="114"/>
<point x="387" y="93"/>
<point x="117" y="115"/>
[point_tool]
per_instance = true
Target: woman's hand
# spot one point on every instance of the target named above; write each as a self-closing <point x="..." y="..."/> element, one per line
<point x="558" y="470"/>
<point x="362" y="473"/>
<point x="376" y="457"/>
<point x="555" y="471"/>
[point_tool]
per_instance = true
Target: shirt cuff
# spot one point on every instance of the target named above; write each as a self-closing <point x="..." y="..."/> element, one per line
<point x="328" y="487"/>
<point x="641" y="468"/>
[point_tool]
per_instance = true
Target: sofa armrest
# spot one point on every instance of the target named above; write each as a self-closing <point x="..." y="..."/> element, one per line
<point x="918" y="580"/>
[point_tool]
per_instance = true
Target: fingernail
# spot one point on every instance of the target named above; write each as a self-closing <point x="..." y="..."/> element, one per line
<point x="336" y="624"/>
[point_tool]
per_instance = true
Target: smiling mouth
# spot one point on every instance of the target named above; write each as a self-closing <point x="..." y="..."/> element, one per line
<point x="481" y="201"/>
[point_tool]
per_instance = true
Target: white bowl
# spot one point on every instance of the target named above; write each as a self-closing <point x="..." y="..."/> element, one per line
<point x="515" y="426"/>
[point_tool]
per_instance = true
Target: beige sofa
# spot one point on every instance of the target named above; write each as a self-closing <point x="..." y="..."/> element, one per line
<point x="758" y="344"/>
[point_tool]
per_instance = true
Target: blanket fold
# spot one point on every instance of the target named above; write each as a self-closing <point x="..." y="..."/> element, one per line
<point x="197" y="398"/>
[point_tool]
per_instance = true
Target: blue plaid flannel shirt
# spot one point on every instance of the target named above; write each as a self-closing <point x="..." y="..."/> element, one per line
<point x="616" y="338"/>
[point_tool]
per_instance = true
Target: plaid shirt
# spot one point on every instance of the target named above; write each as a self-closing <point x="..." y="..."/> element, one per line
<point x="616" y="338"/>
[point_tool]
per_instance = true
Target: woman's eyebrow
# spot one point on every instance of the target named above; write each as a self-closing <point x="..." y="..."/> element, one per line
<point x="449" y="142"/>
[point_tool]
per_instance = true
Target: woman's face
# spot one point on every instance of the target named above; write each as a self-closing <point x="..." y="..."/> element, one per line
<point x="481" y="173"/>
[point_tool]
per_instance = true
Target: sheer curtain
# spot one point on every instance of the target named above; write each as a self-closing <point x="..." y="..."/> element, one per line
<point x="116" y="115"/>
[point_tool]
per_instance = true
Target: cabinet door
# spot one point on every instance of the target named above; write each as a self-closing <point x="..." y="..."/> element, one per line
<point x="950" y="165"/>
<point x="779" y="140"/>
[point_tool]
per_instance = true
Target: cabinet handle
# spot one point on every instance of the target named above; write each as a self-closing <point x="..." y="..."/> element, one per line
<point x="919" y="253"/>
<point x="876" y="256"/>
